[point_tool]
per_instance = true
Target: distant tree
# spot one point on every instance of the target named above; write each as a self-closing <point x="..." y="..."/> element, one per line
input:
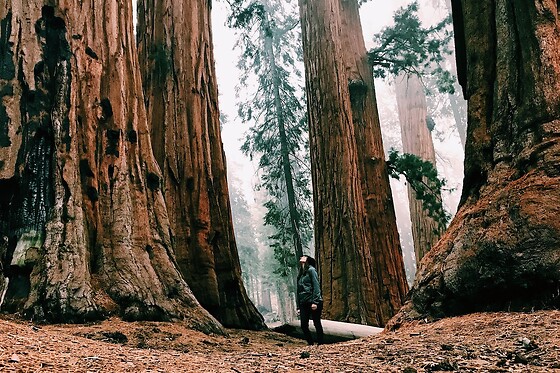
<point x="270" y="42"/>
<point x="422" y="176"/>
<point x="245" y="236"/>
<point x="405" y="51"/>
<point x="457" y="103"/>
<point x="417" y="140"/>
<point x="260" y="268"/>
<point x="409" y="48"/>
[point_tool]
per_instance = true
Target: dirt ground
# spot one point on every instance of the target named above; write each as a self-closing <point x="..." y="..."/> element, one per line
<point x="484" y="342"/>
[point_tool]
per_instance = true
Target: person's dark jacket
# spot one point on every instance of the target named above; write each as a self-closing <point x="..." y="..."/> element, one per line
<point x="308" y="288"/>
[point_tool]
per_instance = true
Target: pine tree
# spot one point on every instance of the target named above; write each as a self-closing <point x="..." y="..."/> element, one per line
<point x="271" y="54"/>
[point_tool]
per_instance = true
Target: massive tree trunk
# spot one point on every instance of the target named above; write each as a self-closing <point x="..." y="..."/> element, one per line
<point x="176" y="54"/>
<point x="385" y="248"/>
<point x="361" y="282"/>
<point x="417" y="140"/>
<point x="82" y="208"/>
<point x="501" y="250"/>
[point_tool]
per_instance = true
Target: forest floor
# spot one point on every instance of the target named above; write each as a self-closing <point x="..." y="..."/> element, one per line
<point x="483" y="342"/>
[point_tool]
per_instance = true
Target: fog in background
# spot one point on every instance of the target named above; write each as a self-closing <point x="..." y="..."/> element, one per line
<point x="375" y="15"/>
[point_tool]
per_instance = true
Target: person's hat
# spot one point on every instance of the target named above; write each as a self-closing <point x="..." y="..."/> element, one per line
<point x="311" y="261"/>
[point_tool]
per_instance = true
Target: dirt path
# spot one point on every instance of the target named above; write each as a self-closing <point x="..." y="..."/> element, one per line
<point x="485" y="342"/>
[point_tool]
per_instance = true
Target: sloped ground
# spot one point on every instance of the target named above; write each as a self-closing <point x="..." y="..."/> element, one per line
<point x="484" y="342"/>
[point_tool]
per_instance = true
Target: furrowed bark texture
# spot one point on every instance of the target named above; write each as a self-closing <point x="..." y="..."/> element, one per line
<point x="82" y="208"/>
<point x="176" y="54"/>
<point x="357" y="277"/>
<point x="417" y="140"/>
<point x="385" y="246"/>
<point x="501" y="250"/>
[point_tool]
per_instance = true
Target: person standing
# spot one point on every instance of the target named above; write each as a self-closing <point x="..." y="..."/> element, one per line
<point x="309" y="300"/>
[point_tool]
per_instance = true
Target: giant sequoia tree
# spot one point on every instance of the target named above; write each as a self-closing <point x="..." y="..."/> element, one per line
<point x="501" y="250"/>
<point x="86" y="227"/>
<point x="385" y="248"/>
<point x="176" y="54"/>
<point x="358" y="250"/>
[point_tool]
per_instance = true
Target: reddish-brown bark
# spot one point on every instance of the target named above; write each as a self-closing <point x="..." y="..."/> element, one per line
<point x="84" y="214"/>
<point x="358" y="250"/>
<point x="501" y="250"/>
<point x="176" y="54"/>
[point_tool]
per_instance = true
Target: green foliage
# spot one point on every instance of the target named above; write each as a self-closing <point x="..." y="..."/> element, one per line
<point x="245" y="16"/>
<point x="271" y="65"/>
<point x="257" y="258"/>
<point x="408" y="47"/>
<point x="423" y="178"/>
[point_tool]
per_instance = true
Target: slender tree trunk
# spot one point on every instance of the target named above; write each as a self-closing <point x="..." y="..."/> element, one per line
<point x="176" y="54"/>
<point x="245" y="279"/>
<point x="86" y="221"/>
<point x="284" y="148"/>
<point x="282" y="312"/>
<point x="501" y="250"/>
<point x="256" y="286"/>
<point x="286" y="302"/>
<point x="249" y="285"/>
<point x="417" y="140"/>
<point x="356" y="285"/>
<point x="258" y="292"/>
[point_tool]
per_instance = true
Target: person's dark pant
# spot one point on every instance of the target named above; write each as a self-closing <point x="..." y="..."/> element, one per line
<point x="307" y="313"/>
